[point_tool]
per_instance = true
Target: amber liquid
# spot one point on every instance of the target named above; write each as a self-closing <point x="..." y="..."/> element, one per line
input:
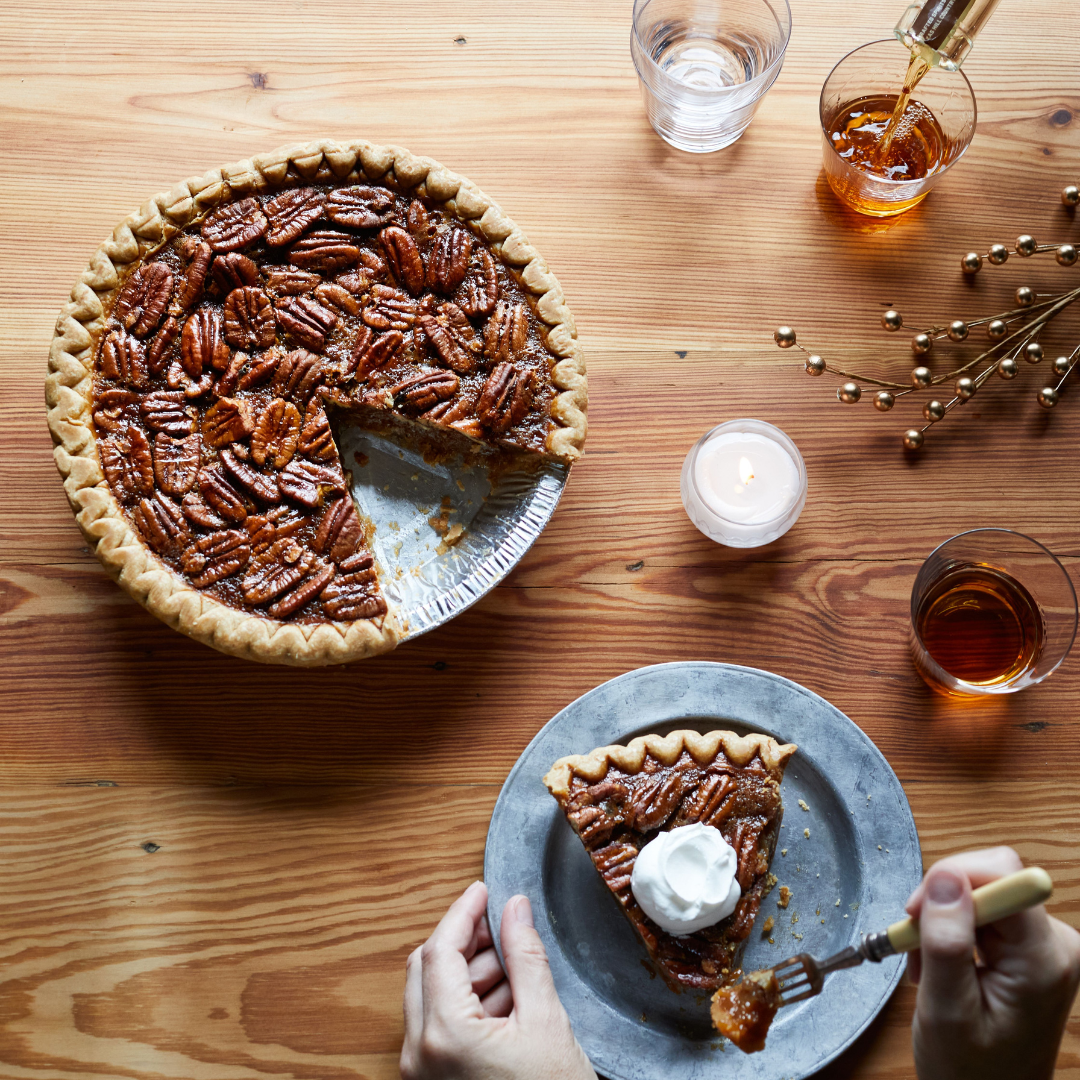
<point x="917" y="146"/>
<point x="981" y="625"/>
<point x="917" y="68"/>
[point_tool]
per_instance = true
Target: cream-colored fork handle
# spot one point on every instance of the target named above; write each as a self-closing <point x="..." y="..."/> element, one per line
<point x="998" y="900"/>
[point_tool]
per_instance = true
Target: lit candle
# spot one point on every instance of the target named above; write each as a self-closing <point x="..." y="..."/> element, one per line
<point x="744" y="483"/>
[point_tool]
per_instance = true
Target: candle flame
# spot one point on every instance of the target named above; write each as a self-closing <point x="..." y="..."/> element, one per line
<point x="746" y="471"/>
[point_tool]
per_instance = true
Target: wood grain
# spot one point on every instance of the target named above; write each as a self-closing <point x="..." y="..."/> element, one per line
<point x="213" y="869"/>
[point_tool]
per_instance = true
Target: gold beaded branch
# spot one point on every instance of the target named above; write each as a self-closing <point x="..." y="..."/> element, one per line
<point x="1032" y="313"/>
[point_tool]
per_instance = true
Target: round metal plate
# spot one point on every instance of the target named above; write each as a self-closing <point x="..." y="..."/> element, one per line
<point x="851" y="874"/>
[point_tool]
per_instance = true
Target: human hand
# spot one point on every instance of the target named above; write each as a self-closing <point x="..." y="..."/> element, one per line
<point x="1001" y="1021"/>
<point x="465" y="1021"/>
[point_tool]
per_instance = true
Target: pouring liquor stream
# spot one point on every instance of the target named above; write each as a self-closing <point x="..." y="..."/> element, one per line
<point x="744" y="1011"/>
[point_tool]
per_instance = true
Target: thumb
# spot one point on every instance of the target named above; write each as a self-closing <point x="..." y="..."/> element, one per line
<point x="948" y="985"/>
<point x="527" y="967"/>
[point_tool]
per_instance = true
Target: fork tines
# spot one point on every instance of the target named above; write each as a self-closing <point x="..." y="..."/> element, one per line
<point x="799" y="978"/>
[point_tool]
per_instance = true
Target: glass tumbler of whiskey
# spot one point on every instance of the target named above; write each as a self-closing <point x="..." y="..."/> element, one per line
<point x="857" y="104"/>
<point x="992" y="612"/>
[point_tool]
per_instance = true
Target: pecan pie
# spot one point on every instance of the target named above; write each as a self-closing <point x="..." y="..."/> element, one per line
<point x="192" y="373"/>
<point x="618" y="798"/>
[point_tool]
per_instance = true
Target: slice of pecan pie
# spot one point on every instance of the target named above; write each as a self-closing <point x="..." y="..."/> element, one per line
<point x="618" y="798"/>
<point x="192" y="373"/>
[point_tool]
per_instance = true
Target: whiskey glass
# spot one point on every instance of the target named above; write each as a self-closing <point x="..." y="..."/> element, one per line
<point x="877" y="71"/>
<point x="992" y="612"/>
<point x="705" y="65"/>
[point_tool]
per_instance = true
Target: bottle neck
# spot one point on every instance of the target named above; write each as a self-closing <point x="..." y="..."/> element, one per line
<point x="942" y="32"/>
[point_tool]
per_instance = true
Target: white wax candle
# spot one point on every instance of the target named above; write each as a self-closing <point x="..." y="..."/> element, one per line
<point x="746" y="477"/>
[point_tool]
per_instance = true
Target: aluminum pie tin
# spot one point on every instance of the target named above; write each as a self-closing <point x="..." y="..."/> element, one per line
<point x="850" y="876"/>
<point x="411" y="502"/>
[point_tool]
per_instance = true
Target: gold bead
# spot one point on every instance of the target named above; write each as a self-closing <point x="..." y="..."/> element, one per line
<point x="933" y="411"/>
<point x="921" y="344"/>
<point x="921" y="378"/>
<point x="1025" y="297"/>
<point x="815" y="365"/>
<point x="1062" y="365"/>
<point x="971" y="263"/>
<point x="1066" y="254"/>
<point x="884" y="401"/>
<point x="958" y="330"/>
<point x="998" y="328"/>
<point x="1048" y="397"/>
<point x="1007" y="368"/>
<point x="1033" y="352"/>
<point x="998" y="254"/>
<point x="849" y="393"/>
<point x="965" y="388"/>
<point x="892" y="320"/>
<point x="913" y="439"/>
<point x="784" y="337"/>
<point x="1070" y="195"/>
<point x="1026" y="245"/>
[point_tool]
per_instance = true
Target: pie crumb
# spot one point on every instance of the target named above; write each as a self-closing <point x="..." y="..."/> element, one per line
<point x="785" y="897"/>
<point x="769" y="924"/>
<point x="803" y="806"/>
<point x="797" y="937"/>
<point x="783" y="851"/>
<point x="806" y="833"/>
<point x="879" y="847"/>
<point x="837" y="904"/>
<point x="794" y="918"/>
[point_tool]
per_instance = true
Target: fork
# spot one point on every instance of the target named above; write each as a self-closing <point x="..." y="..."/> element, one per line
<point x="803" y="977"/>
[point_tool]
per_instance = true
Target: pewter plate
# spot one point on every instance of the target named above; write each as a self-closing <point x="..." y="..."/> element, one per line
<point x="851" y="875"/>
<point x="429" y="581"/>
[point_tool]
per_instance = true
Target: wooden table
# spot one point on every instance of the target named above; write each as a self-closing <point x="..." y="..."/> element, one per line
<point x="215" y="870"/>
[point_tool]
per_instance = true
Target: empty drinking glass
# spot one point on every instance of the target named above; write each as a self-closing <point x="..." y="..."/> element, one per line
<point x="704" y="65"/>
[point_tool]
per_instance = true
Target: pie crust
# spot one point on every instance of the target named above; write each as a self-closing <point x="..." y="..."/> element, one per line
<point x="617" y="798"/>
<point x="91" y="315"/>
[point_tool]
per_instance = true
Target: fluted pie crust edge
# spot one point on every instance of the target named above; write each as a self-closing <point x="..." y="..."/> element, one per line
<point x="739" y="749"/>
<point x="69" y="384"/>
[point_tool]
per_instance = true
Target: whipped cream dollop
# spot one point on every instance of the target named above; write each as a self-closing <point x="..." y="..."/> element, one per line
<point x="684" y="879"/>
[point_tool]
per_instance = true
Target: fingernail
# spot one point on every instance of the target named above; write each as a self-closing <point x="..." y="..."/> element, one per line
<point x="944" y="887"/>
<point x="523" y="911"/>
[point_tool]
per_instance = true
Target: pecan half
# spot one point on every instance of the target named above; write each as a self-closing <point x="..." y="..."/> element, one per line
<point x="220" y="495"/>
<point x="616" y="865"/>
<point x="178" y="379"/>
<point x="290" y="281"/>
<point x="168" y="411"/>
<point x="452" y="336"/>
<point x="260" y="485"/>
<point x="360" y="207"/>
<point x="339" y="530"/>
<point x="403" y="258"/>
<point x="196" y="511"/>
<point x="506" y="332"/>
<point x="248" y="319"/>
<point x="176" y="462"/>
<point x="123" y="358"/>
<point x="276" y="434"/>
<point x="111" y="408"/>
<point x="479" y="292"/>
<point x="419" y="222"/>
<point x="386" y="308"/>
<point x="354" y="595"/>
<point x="334" y="295"/>
<point x="449" y="260"/>
<point x="284" y="567"/>
<point x="711" y="802"/>
<point x="505" y="398"/>
<point x="162" y="524"/>
<point x="275" y="524"/>
<point x="160" y="351"/>
<point x="227" y="420"/>
<point x="127" y="463"/>
<point x="421" y="392"/>
<point x="308" y="483"/>
<point x="143" y="300"/>
<point x="216" y="556"/>
<point x="201" y="345"/>
<point x="234" y="226"/>
<point x="305" y="321"/>
<point x="297" y="375"/>
<point x="193" y="281"/>
<point x="325" y="250"/>
<point x="260" y="369"/>
<point x="291" y="212"/>
<point x="371" y="353"/>
<point x="355" y="282"/>
<point x="234" y="271"/>
<point x="226" y="386"/>
<point x="315" y="441"/>
<point x="373" y="264"/>
<point x="655" y="799"/>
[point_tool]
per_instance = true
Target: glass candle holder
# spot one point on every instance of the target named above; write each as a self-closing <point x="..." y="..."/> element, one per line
<point x="867" y="82"/>
<point x="992" y="612"/>
<point x="744" y="483"/>
<point x="704" y="65"/>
